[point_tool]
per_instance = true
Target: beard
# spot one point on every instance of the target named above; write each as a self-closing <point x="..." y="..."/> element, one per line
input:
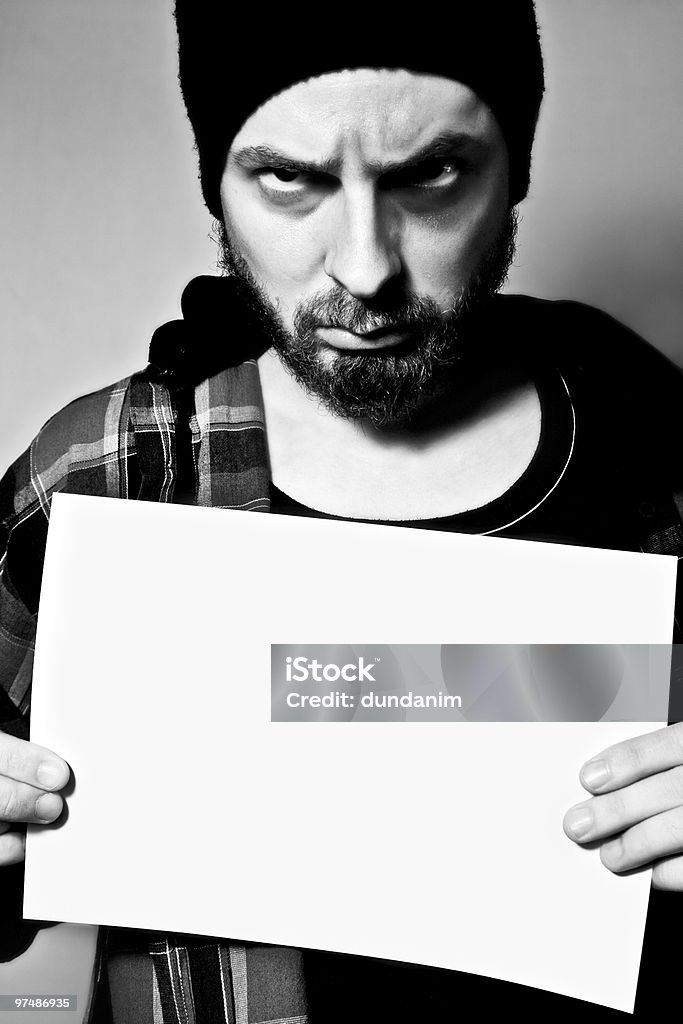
<point x="387" y="386"/>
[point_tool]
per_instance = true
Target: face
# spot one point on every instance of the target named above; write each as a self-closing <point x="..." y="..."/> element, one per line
<point x="368" y="209"/>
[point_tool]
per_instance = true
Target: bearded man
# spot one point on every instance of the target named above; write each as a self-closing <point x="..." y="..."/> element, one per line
<point x="356" y="361"/>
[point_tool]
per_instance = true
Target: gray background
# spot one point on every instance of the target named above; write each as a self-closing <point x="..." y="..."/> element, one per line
<point x="102" y="222"/>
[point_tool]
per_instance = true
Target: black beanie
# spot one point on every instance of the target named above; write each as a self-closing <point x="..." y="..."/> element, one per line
<point x="234" y="57"/>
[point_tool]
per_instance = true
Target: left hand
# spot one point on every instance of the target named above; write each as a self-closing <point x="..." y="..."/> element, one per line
<point x="637" y="807"/>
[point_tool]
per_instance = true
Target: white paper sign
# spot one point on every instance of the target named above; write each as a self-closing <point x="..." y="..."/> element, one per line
<point x="430" y="842"/>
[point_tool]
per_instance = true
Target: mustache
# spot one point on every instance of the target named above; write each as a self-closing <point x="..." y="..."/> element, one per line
<point x="339" y="309"/>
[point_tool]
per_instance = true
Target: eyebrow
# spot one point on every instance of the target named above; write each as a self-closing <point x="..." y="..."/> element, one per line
<point x="443" y="145"/>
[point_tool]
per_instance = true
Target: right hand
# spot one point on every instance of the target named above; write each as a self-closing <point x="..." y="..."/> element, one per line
<point x="30" y="779"/>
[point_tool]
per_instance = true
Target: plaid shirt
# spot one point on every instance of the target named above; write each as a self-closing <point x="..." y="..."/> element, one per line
<point x="142" y="439"/>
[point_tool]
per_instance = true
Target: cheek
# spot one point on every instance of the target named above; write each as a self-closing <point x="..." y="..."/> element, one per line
<point x="443" y="252"/>
<point x="432" y="260"/>
<point x="280" y="251"/>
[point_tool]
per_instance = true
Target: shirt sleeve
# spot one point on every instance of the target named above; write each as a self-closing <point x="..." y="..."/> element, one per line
<point x="17" y="622"/>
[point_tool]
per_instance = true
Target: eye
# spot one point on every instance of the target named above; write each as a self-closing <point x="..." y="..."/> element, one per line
<point x="281" y="178"/>
<point x="437" y="172"/>
<point x="433" y="174"/>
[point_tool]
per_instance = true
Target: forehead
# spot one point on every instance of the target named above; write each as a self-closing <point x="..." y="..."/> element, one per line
<point x="371" y="111"/>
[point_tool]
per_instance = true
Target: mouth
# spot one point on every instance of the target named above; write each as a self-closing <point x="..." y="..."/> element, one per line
<point x="363" y="341"/>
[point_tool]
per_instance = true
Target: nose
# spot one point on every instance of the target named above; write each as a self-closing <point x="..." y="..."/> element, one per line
<point x="363" y="248"/>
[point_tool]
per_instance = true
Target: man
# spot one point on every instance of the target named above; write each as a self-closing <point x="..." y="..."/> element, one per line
<point x="356" y="361"/>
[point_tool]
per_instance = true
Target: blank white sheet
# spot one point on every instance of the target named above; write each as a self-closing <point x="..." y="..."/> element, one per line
<point x="433" y="843"/>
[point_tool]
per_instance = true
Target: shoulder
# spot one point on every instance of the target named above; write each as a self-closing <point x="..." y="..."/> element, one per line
<point x="82" y="439"/>
<point x="627" y="395"/>
<point x="585" y="341"/>
<point x="111" y="442"/>
<point x="78" y="450"/>
<point x="617" y="378"/>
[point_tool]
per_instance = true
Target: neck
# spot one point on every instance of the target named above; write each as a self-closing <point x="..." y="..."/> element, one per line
<point x="465" y="447"/>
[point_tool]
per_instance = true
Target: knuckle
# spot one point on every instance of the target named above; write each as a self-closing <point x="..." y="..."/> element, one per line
<point x="613" y="809"/>
<point x="674" y="778"/>
<point x="673" y="826"/>
<point x="634" y="755"/>
<point x="12" y="762"/>
<point x="10" y="805"/>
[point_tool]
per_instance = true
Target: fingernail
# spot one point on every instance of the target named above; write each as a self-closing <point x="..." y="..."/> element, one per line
<point x="579" y="822"/>
<point x="51" y="775"/>
<point x="595" y="774"/>
<point x="48" y="807"/>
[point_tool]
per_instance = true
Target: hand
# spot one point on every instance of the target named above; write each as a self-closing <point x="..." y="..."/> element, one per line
<point x="637" y="814"/>
<point x="30" y="777"/>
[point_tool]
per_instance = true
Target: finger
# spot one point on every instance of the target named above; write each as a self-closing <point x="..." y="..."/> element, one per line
<point x="603" y="816"/>
<point x="31" y="763"/>
<point x="19" y="802"/>
<point x="634" y="759"/>
<point x="645" y="842"/>
<point x="12" y="848"/>
<point x="668" y="874"/>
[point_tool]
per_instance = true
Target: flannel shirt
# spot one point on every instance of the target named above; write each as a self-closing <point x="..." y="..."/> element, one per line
<point x="123" y="442"/>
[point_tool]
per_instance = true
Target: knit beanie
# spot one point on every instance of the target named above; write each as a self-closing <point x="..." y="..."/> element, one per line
<point x="234" y="57"/>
